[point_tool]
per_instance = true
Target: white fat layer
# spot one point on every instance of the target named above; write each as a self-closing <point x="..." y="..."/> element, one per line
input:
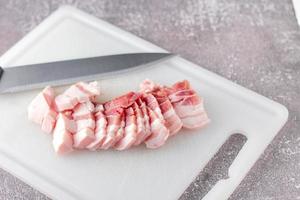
<point x="111" y="129"/>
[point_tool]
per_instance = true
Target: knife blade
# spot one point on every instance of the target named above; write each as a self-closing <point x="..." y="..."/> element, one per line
<point x="18" y="78"/>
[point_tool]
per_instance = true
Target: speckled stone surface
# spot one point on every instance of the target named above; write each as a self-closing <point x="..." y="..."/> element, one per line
<point x="255" y="44"/>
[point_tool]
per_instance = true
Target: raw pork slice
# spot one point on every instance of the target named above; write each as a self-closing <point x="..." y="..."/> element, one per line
<point x="113" y="118"/>
<point x="121" y="132"/>
<point x="83" y="110"/>
<point x="41" y="110"/>
<point x="141" y="129"/>
<point x="152" y="103"/>
<point x="85" y="121"/>
<point x="123" y="101"/>
<point x="100" y="130"/>
<point x="147" y="86"/>
<point x="172" y="120"/>
<point x="146" y="120"/>
<point x="159" y="132"/>
<point x="130" y="134"/>
<point x="78" y="93"/>
<point x="62" y="134"/>
<point x="188" y="105"/>
<point x="83" y="138"/>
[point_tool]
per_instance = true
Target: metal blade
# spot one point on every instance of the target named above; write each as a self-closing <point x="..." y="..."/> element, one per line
<point x="26" y="77"/>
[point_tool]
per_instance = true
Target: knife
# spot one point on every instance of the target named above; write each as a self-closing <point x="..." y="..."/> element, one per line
<point x="19" y="78"/>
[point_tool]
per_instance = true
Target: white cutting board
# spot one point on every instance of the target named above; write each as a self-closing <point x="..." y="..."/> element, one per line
<point x="138" y="173"/>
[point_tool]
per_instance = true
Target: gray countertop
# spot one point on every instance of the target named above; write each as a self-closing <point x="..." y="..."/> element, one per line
<point x="255" y="44"/>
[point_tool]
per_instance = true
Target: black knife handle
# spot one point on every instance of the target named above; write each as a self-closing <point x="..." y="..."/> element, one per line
<point x="1" y="72"/>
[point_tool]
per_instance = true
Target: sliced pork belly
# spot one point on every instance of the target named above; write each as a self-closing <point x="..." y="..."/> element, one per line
<point x="62" y="134"/>
<point x="121" y="132"/>
<point x="147" y="86"/>
<point x="85" y="122"/>
<point x="123" y="101"/>
<point x="141" y="130"/>
<point x="146" y="120"/>
<point x="130" y="131"/>
<point x="100" y="130"/>
<point x="113" y="118"/>
<point x="63" y="102"/>
<point x="173" y="122"/>
<point x="49" y="121"/>
<point x="41" y="110"/>
<point x="159" y="132"/>
<point x="83" y="138"/>
<point x="152" y="103"/>
<point x="188" y="105"/>
<point x="78" y="93"/>
<point x="83" y="110"/>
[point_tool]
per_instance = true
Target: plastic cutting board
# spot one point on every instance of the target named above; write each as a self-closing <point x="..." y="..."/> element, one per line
<point x="138" y="173"/>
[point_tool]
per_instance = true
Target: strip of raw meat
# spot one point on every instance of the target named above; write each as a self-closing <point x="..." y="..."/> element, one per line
<point x="130" y="131"/>
<point x="49" y="121"/>
<point x="63" y="102"/>
<point x="83" y="110"/>
<point x="188" y="105"/>
<point x="152" y="103"/>
<point x="172" y="120"/>
<point x="79" y="93"/>
<point x="100" y="131"/>
<point x="159" y="132"/>
<point x="83" y="138"/>
<point x="197" y="121"/>
<point x="85" y="121"/>
<point x="180" y="95"/>
<point x="113" y="118"/>
<point x="141" y="130"/>
<point x="146" y="119"/>
<point x="41" y="110"/>
<point x="123" y="101"/>
<point x="121" y="132"/>
<point x="62" y="137"/>
<point x="148" y="86"/>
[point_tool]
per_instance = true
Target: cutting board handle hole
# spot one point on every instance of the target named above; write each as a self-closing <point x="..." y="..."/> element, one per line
<point x="216" y="169"/>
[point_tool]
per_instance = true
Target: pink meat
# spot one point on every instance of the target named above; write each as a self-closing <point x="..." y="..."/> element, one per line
<point x="78" y="93"/>
<point x="113" y="118"/>
<point x="41" y="110"/>
<point x="146" y="120"/>
<point x="121" y="132"/>
<point x="188" y="105"/>
<point x="141" y="130"/>
<point x="159" y="132"/>
<point x="49" y="121"/>
<point x="85" y="121"/>
<point x="152" y="103"/>
<point x="130" y="134"/>
<point x="62" y="135"/>
<point x="172" y="120"/>
<point x="63" y="102"/>
<point x="148" y="86"/>
<point x="123" y="101"/>
<point x="83" y="110"/>
<point x="83" y="138"/>
<point x="100" y="130"/>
